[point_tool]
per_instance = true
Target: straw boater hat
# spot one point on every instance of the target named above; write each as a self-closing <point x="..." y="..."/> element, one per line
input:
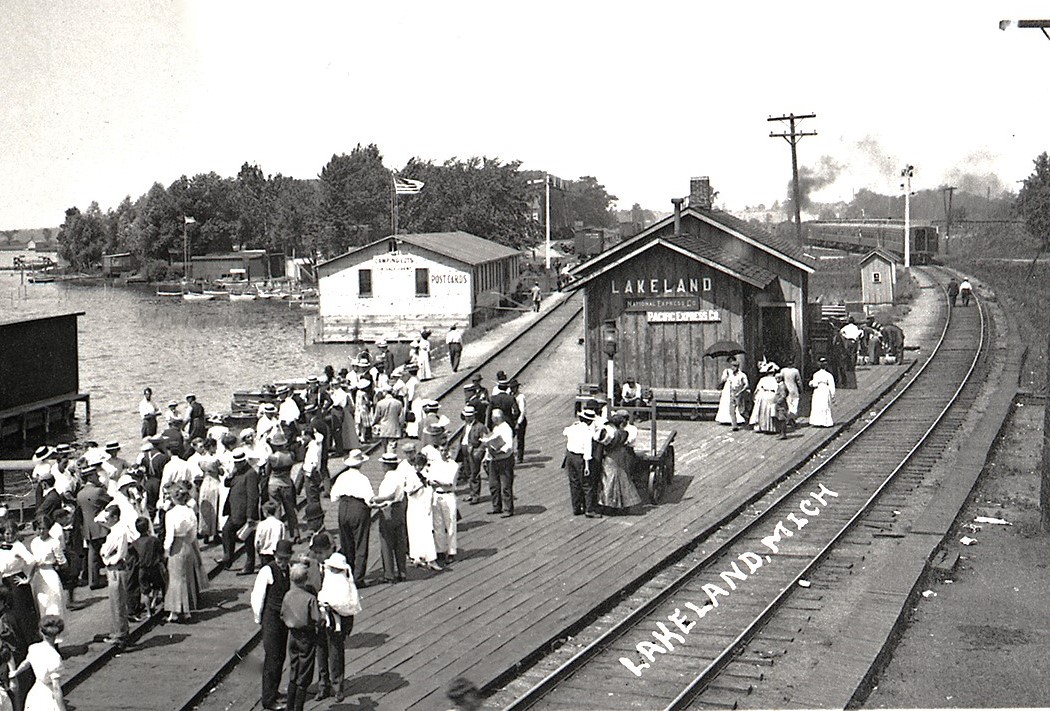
<point x="191" y="396"/>
<point x="112" y="446"/>
<point x="587" y="415"/>
<point x="469" y="411"/>
<point x="42" y="453"/>
<point x="64" y="450"/>
<point x="434" y="429"/>
<point x="269" y="408"/>
<point x="431" y="406"/>
<point x="312" y="379"/>
<point x="390" y="458"/>
<point x="239" y="455"/>
<point x="355" y="458"/>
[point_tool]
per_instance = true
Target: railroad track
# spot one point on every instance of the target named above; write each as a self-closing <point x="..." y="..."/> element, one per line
<point x="669" y="643"/>
<point x="514" y="357"/>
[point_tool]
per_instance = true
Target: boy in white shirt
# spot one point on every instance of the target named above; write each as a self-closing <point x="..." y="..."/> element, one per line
<point x="268" y="532"/>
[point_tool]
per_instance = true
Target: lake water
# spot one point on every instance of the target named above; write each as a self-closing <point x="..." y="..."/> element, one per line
<point x="129" y="338"/>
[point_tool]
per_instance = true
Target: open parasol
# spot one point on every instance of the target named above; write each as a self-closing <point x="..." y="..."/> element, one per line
<point x="723" y="349"/>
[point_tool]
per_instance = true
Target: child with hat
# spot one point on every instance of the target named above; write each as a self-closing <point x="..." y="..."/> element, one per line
<point x="302" y="616"/>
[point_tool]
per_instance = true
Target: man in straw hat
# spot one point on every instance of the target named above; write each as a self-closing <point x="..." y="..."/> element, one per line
<point x="92" y="499"/>
<point x="454" y="341"/>
<point x="353" y="494"/>
<point x="578" y="463"/>
<point x="468" y="450"/>
<point x="500" y="453"/>
<point x="280" y="487"/>
<point x="393" y="523"/>
<point x="267" y="421"/>
<point x="441" y="471"/>
<point x="242" y="506"/>
<point x="431" y="419"/>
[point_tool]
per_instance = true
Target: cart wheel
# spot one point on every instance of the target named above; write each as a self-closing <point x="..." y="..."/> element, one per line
<point x="656" y="482"/>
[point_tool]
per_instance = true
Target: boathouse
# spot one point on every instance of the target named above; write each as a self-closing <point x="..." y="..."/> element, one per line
<point x="688" y="281"/>
<point x="39" y="374"/>
<point x="247" y="264"/>
<point x="400" y="284"/>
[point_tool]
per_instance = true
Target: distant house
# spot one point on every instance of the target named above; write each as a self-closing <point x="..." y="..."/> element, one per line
<point x="398" y="285"/>
<point x="31" y="246"/>
<point x="115" y="265"/>
<point x="251" y="264"/>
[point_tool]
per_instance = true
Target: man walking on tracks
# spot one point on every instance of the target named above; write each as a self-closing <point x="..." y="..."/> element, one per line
<point x="965" y="291"/>
<point x="953" y="290"/>
<point x="454" y="341"/>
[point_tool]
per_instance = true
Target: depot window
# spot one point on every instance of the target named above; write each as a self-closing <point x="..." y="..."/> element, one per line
<point x="422" y="282"/>
<point x="364" y="283"/>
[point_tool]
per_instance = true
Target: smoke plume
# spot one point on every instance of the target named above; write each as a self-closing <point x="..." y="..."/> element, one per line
<point x="811" y="179"/>
<point x="889" y="166"/>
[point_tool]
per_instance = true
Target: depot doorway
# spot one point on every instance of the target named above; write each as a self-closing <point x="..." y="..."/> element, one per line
<point x="778" y="342"/>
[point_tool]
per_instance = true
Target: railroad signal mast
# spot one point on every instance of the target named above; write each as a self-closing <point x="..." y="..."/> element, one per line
<point x="946" y="193"/>
<point x="907" y="173"/>
<point x="792" y="137"/>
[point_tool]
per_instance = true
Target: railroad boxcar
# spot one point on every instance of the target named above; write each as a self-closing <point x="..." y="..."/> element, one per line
<point x="866" y="235"/>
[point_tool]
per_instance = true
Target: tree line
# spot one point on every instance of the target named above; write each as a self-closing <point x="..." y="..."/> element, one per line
<point x="349" y="204"/>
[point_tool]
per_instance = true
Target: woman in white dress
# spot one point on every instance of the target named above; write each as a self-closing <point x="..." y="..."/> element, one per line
<point x="185" y="572"/>
<point x="763" y="412"/>
<point x="422" y="551"/>
<point x="46" y="663"/>
<point x="734" y="383"/>
<point x="423" y="345"/>
<point x="823" y="384"/>
<point x="48" y="551"/>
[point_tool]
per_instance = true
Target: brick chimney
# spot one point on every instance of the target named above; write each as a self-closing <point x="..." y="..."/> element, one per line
<point x="700" y="192"/>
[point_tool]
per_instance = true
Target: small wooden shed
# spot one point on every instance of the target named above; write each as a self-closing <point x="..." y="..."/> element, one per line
<point x="878" y="277"/>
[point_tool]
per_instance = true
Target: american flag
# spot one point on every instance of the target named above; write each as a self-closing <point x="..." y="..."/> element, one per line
<point x="407" y="186"/>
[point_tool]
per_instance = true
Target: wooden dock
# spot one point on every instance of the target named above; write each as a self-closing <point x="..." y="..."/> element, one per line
<point x="517" y="583"/>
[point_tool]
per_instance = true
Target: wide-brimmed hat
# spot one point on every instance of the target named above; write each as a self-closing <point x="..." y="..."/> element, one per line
<point x="112" y="446"/>
<point x="363" y="384"/>
<point x="278" y="438"/>
<point x="389" y="458"/>
<point x="355" y="458"/>
<point x="42" y="452"/>
<point x="124" y="480"/>
<point x="337" y="561"/>
<point x="239" y="455"/>
<point x="191" y="396"/>
<point x="173" y="403"/>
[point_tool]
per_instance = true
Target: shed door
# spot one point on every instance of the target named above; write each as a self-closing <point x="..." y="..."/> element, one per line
<point x="778" y="333"/>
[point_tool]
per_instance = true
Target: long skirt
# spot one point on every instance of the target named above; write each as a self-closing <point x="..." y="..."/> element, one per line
<point x="618" y="491"/>
<point x="724" y="414"/>
<point x="420" y="519"/>
<point x="185" y="576"/>
<point x="208" y="506"/>
<point x="820" y="409"/>
<point x="763" y="412"/>
<point x="47" y="589"/>
<point x="349" y="433"/>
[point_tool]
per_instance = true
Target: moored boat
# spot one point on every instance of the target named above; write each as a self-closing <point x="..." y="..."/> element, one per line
<point x="195" y="296"/>
<point x="246" y="296"/>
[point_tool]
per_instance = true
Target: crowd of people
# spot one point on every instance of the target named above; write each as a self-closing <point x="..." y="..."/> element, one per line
<point x="136" y="526"/>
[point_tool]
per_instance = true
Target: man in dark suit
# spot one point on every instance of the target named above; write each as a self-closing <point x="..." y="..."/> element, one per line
<point x="50" y="500"/>
<point x="468" y="450"/>
<point x="242" y="506"/>
<point x="198" y="425"/>
<point x="92" y="500"/>
<point x="503" y="400"/>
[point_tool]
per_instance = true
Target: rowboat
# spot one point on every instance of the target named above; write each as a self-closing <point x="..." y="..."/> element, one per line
<point x="217" y="293"/>
<point x="194" y="296"/>
<point x="163" y="292"/>
<point x="242" y="297"/>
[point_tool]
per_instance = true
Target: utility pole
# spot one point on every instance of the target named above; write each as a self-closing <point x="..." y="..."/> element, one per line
<point x="907" y="173"/>
<point x="547" y="216"/>
<point x="946" y="195"/>
<point x="792" y="137"/>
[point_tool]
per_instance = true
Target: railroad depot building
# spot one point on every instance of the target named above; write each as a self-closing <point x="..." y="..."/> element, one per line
<point x="688" y="281"/>
<point x="400" y="284"/>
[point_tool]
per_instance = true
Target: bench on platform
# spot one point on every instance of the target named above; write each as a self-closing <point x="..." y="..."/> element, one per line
<point x="689" y="402"/>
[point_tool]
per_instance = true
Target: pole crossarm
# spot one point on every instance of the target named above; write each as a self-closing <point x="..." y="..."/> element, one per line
<point x="792" y="137"/>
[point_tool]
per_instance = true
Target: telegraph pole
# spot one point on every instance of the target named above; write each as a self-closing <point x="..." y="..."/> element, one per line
<point x="946" y="195"/>
<point x="907" y="174"/>
<point x="792" y="137"/>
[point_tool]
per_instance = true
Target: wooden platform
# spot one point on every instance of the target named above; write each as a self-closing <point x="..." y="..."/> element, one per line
<point x="517" y="583"/>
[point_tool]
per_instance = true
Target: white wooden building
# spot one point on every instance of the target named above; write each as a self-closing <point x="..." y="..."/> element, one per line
<point x="396" y="286"/>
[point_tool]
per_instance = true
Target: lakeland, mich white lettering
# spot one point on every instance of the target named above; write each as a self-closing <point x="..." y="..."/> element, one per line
<point x="665" y="638"/>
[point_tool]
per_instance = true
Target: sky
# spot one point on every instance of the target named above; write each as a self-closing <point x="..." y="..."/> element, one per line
<point x="102" y="99"/>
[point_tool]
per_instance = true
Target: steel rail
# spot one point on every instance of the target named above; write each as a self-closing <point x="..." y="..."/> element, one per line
<point x="578" y="660"/>
<point x="704" y="678"/>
